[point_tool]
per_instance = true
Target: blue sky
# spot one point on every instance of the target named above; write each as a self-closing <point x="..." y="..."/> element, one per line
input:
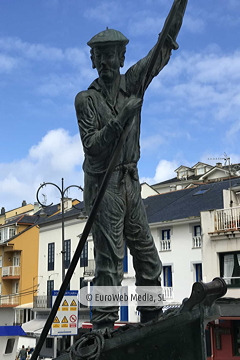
<point x="190" y="113"/>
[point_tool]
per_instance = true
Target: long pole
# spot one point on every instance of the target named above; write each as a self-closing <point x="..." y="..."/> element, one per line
<point x="63" y="244"/>
<point x="106" y="179"/>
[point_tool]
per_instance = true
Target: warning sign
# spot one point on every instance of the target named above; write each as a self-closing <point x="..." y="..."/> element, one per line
<point x="66" y="319"/>
<point x="73" y="303"/>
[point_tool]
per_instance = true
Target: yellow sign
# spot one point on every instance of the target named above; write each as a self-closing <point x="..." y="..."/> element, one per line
<point x="65" y="309"/>
<point x="56" y="320"/>
<point x="73" y="309"/>
<point x="64" y="320"/>
<point x="73" y="303"/>
<point x="65" y="303"/>
<point x="56" y="325"/>
<point x="64" y="325"/>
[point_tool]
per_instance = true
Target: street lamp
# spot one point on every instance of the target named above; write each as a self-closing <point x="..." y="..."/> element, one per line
<point x="62" y="192"/>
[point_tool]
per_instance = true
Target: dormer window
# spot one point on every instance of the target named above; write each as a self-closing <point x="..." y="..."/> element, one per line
<point x="182" y="173"/>
<point x="200" y="171"/>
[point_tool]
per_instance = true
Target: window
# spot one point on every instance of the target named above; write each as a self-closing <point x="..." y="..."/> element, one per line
<point x="0" y="261"/>
<point x="125" y="259"/>
<point x="197" y="238"/>
<point x="166" y="234"/>
<point x="9" y="346"/>
<point x="6" y="233"/>
<point x="236" y="337"/>
<point x="51" y="247"/>
<point x="165" y="243"/>
<point x="12" y="232"/>
<point x="123" y="313"/>
<point x="230" y="268"/>
<point x="67" y="253"/>
<point x="84" y="256"/>
<point x="201" y="192"/>
<point x="197" y="230"/>
<point x="16" y="260"/>
<point x="50" y="288"/>
<point x="200" y="171"/>
<point x="198" y="272"/>
<point x="167" y="276"/>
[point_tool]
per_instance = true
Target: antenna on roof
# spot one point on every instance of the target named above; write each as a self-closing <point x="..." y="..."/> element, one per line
<point x="226" y="158"/>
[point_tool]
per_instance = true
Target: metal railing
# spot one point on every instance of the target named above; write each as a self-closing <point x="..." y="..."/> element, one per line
<point x="165" y="245"/>
<point x="90" y="269"/>
<point x="234" y="280"/>
<point x="197" y="241"/>
<point x="9" y="300"/>
<point x="42" y="302"/>
<point x="167" y="292"/>
<point x="227" y="219"/>
<point x="11" y="271"/>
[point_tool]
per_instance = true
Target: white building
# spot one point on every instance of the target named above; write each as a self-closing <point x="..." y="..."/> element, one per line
<point x="197" y="174"/>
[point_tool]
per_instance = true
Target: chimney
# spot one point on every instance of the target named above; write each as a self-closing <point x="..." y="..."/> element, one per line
<point x="219" y="164"/>
<point x="24" y="203"/>
<point x="2" y="210"/>
<point x="36" y="207"/>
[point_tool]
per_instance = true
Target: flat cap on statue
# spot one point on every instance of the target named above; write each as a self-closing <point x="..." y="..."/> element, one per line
<point x="108" y="37"/>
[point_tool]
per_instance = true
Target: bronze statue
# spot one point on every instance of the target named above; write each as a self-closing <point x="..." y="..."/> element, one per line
<point x="111" y="103"/>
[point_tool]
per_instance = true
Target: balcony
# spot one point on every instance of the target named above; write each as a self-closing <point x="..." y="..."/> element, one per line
<point x="42" y="302"/>
<point x="90" y="269"/>
<point x="9" y="300"/>
<point x="165" y="245"/>
<point x="167" y="292"/>
<point x="11" y="272"/>
<point x="197" y="242"/>
<point x="227" y="219"/>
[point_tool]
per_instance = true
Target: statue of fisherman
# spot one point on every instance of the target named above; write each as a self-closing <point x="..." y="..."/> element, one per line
<point x="103" y="111"/>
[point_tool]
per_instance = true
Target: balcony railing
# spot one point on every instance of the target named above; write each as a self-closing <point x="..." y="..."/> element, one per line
<point x="90" y="269"/>
<point x="11" y="271"/>
<point x="167" y="292"/>
<point x="233" y="281"/>
<point x="227" y="219"/>
<point x="165" y="245"/>
<point x="9" y="300"/>
<point x="197" y="241"/>
<point x="42" y="302"/>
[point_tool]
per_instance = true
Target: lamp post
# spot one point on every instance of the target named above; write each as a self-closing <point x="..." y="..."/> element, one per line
<point x="62" y="192"/>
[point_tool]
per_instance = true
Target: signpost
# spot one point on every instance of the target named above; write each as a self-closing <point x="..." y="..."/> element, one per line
<point x="66" y="319"/>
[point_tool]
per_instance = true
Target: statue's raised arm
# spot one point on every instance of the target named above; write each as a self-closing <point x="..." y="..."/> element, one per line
<point x="150" y="66"/>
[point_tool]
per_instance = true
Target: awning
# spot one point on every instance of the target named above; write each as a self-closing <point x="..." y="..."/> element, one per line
<point x="11" y="331"/>
<point x="34" y="325"/>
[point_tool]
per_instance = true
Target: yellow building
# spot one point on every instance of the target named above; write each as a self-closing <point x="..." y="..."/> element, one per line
<point x="19" y="246"/>
<point x="24" y="209"/>
<point x="18" y="260"/>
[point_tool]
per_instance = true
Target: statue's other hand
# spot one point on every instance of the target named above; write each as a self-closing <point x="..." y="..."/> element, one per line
<point x="131" y="107"/>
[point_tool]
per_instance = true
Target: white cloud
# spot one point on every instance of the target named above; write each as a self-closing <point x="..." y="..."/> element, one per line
<point x="164" y="171"/>
<point x="42" y="52"/>
<point x="152" y="142"/>
<point x="106" y="12"/>
<point x="57" y="155"/>
<point x="7" y="63"/>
